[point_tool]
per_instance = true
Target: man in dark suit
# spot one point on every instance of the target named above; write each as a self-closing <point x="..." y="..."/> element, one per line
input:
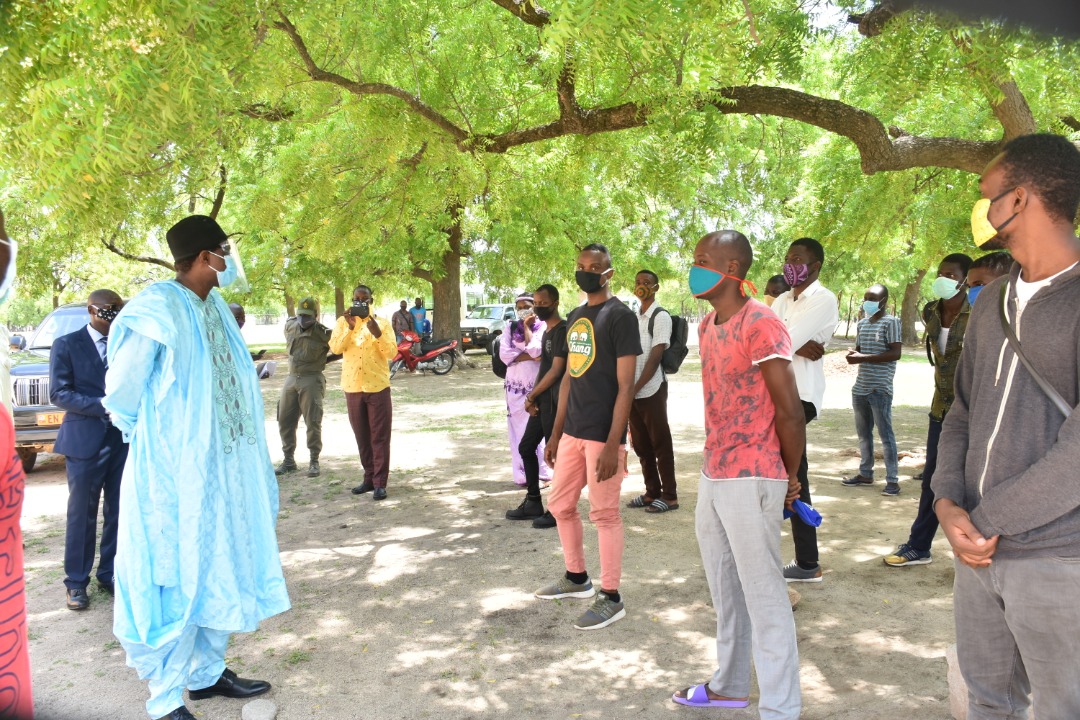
<point x="95" y="450"/>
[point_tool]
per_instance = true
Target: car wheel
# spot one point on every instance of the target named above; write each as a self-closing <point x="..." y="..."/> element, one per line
<point x="28" y="457"/>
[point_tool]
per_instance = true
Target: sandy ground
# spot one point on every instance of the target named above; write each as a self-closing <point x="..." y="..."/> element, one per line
<point x="421" y="606"/>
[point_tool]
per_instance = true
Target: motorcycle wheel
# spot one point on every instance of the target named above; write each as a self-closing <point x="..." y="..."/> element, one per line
<point x="442" y="363"/>
<point x="395" y="366"/>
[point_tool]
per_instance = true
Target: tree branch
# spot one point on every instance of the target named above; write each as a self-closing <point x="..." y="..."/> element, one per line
<point x="526" y="11"/>
<point x="1012" y="111"/>
<point x="878" y="152"/>
<point x="110" y="244"/>
<point x="220" y="197"/>
<point x="753" y="24"/>
<point x="358" y="88"/>
<point x="872" y="23"/>
<point x="1071" y="122"/>
<point x="263" y="111"/>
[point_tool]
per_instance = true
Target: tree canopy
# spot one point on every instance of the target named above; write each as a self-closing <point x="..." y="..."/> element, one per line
<point x="423" y="142"/>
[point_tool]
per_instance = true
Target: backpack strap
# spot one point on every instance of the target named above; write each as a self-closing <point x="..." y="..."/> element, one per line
<point x="1014" y="343"/>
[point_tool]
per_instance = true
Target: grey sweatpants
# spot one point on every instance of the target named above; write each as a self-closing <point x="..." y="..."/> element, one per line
<point x="738" y="531"/>
<point x="1018" y="637"/>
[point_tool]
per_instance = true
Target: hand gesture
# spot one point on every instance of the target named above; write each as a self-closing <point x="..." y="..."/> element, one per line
<point x="350" y="319"/>
<point x="608" y="463"/>
<point x="970" y="547"/>
<point x="373" y="327"/>
<point x="854" y="357"/>
<point x="812" y="350"/>
<point x="793" y="489"/>
<point x="551" y="450"/>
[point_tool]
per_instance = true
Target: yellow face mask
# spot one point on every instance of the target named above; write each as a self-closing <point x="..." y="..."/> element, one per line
<point x="982" y="230"/>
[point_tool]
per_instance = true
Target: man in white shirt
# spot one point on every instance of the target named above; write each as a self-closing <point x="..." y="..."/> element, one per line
<point x="809" y="312"/>
<point x="650" y="432"/>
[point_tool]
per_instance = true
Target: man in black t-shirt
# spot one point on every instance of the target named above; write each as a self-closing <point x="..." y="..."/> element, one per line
<point x="589" y="437"/>
<point x="541" y="403"/>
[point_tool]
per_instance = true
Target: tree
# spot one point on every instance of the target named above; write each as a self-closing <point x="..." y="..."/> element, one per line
<point x="417" y="140"/>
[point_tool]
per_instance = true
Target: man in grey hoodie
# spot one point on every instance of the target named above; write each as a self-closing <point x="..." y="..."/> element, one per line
<point x="1008" y="496"/>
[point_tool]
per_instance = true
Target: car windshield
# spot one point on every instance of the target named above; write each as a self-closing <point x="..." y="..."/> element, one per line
<point x="486" y="312"/>
<point x="57" y="324"/>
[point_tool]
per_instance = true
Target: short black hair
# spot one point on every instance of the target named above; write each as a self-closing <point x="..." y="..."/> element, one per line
<point x="998" y="263"/>
<point x="1050" y="166"/>
<point x="964" y="261"/>
<point x="551" y="290"/>
<point x="362" y="287"/>
<point x="595" y="247"/>
<point x="776" y="278"/>
<point x="185" y="265"/>
<point x="885" y="295"/>
<point x="738" y="247"/>
<point x="650" y="273"/>
<point x="813" y="246"/>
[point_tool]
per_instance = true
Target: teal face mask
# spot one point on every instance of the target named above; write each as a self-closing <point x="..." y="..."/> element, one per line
<point x="702" y="281"/>
<point x="871" y="307"/>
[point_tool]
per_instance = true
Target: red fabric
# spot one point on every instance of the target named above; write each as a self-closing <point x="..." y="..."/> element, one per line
<point x="740" y="418"/>
<point x="16" y="699"/>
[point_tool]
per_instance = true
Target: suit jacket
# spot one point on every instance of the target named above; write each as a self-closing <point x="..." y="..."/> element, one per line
<point x="77" y="385"/>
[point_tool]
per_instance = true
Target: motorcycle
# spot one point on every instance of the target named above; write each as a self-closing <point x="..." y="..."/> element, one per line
<point x="416" y="354"/>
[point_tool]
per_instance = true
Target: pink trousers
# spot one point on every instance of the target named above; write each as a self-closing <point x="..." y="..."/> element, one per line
<point x="575" y="468"/>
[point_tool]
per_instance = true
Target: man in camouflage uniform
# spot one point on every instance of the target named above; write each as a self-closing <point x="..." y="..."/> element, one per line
<point x="308" y="344"/>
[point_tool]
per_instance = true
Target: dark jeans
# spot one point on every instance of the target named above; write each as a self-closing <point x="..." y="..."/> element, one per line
<point x="370" y="415"/>
<point x="805" y="536"/>
<point x="88" y="480"/>
<point x="650" y="435"/>
<point x="538" y="428"/>
<point x="926" y="522"/>
<point x="870" y="410"/>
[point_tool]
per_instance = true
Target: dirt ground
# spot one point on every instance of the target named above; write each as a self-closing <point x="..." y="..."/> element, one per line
<point x="421" y="606"/>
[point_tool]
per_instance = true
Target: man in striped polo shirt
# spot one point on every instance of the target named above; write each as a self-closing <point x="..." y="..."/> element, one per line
<point x="877" y="348"/>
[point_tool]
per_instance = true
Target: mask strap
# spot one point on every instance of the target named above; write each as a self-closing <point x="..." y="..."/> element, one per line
<point x="725" y="276"/>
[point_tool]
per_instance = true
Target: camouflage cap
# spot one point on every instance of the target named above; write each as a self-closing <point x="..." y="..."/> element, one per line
<point x="307" y="306"/>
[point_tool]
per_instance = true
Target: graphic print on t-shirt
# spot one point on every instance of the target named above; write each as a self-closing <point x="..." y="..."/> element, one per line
<point x="581" y="343"/>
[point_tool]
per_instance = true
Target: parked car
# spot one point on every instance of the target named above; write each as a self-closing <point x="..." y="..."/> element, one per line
<point x="37" y="420"/>
<point x="483" y="324"/>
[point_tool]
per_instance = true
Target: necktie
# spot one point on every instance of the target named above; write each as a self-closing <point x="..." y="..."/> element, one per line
<point x="105" y="351"/>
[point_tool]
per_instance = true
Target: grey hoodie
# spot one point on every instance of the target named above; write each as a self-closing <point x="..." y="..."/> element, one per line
<point x="1006" y="454"/>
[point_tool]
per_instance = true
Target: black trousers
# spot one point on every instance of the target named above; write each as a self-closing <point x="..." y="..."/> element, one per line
<point x="538" y="428"/>
<point x="650" y="435"/>
<point x="88" y="480"/>
<point x="805" y="536"/>
<point x="926" y="523"/>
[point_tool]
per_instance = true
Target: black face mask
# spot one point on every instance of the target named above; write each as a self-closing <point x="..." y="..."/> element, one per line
<point x="543" y="313"/>
<point x="307" y="321"/>
<point x="589" y="282"/>
<point x="107" y="314"/>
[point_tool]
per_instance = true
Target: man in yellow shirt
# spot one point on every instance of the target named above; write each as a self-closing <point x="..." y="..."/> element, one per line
<point x="367" y="344"/>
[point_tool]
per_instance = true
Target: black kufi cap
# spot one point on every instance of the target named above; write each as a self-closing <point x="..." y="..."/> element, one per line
<point x="192" y="235"/>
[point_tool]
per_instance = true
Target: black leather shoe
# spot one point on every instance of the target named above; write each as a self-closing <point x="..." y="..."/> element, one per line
<point x="107" y="587"/>
<point x="363" y="488"/>
<point x="230" y="686"/>
<point x="380" y="494"/>
<point x="180" y="713"/>
<point x="544" y="521"/>
<point x="77" y="599"/>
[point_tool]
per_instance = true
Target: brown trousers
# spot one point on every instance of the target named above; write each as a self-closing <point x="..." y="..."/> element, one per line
<point x="370" y="415"/>
<point x="651" y="438"/>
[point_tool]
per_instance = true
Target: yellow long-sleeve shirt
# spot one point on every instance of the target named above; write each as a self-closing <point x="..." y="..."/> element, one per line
<point x="366" y="362"/>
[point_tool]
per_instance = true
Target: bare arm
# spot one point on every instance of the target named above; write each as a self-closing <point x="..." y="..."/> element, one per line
<point x="891" y="355"/>
<point x="608" y="462"/>
<point x="652" y="364"/>
<point x="558" y="367"/>
<point x="552" y="448"/>
<point x="790" y="420"/>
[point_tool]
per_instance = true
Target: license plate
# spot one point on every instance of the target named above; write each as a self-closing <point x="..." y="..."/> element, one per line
<point x="54" y="418"/>
<point x="466" y="340"/>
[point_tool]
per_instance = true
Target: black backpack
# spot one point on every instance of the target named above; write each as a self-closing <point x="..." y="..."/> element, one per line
<point x="676" y="351"/>
<point x="497" y="365"/>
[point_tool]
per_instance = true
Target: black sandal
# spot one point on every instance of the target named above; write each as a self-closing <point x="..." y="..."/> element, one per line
<point x="659" y="506"/>
<point x="639" y="502"/>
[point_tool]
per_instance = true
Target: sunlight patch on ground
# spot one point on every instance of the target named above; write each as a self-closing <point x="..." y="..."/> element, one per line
<point x="895" y="643"/>
<point x="402" y="533"/>
<point x="395" y="560"/>
<point x="503" y="598"/>
<point x="815" y="685"/>
<point x="308" y="555"/>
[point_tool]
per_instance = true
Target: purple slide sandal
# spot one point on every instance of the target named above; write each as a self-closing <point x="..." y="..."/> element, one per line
<point x="697" y="696"/>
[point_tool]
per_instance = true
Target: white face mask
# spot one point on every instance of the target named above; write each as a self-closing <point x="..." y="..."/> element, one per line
<point x="524" y="313"/>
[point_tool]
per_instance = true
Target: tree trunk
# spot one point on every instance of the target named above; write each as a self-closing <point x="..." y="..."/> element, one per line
<point x="290" y="304"/>
<point x="909" y="313"/>
<point x="339" y="302"/>
<point x="446" y="283"/>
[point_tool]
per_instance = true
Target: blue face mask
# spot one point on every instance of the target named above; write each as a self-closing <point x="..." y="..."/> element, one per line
<point x="871" y="307"/>
<point x="227" y="276"/>
<point x="703" y="280"/>
<point x="974" y="293"/>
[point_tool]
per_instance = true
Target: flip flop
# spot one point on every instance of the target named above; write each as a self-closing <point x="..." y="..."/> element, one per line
<point x="698" y="696"/>
<point x="659" y="506"/>
<point x="639" y="502"/>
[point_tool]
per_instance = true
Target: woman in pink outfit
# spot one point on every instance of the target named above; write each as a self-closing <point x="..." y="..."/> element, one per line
<point x="520" y="350"/>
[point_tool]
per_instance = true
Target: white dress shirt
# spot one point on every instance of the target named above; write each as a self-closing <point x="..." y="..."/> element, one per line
<point x="813" y="316"/>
